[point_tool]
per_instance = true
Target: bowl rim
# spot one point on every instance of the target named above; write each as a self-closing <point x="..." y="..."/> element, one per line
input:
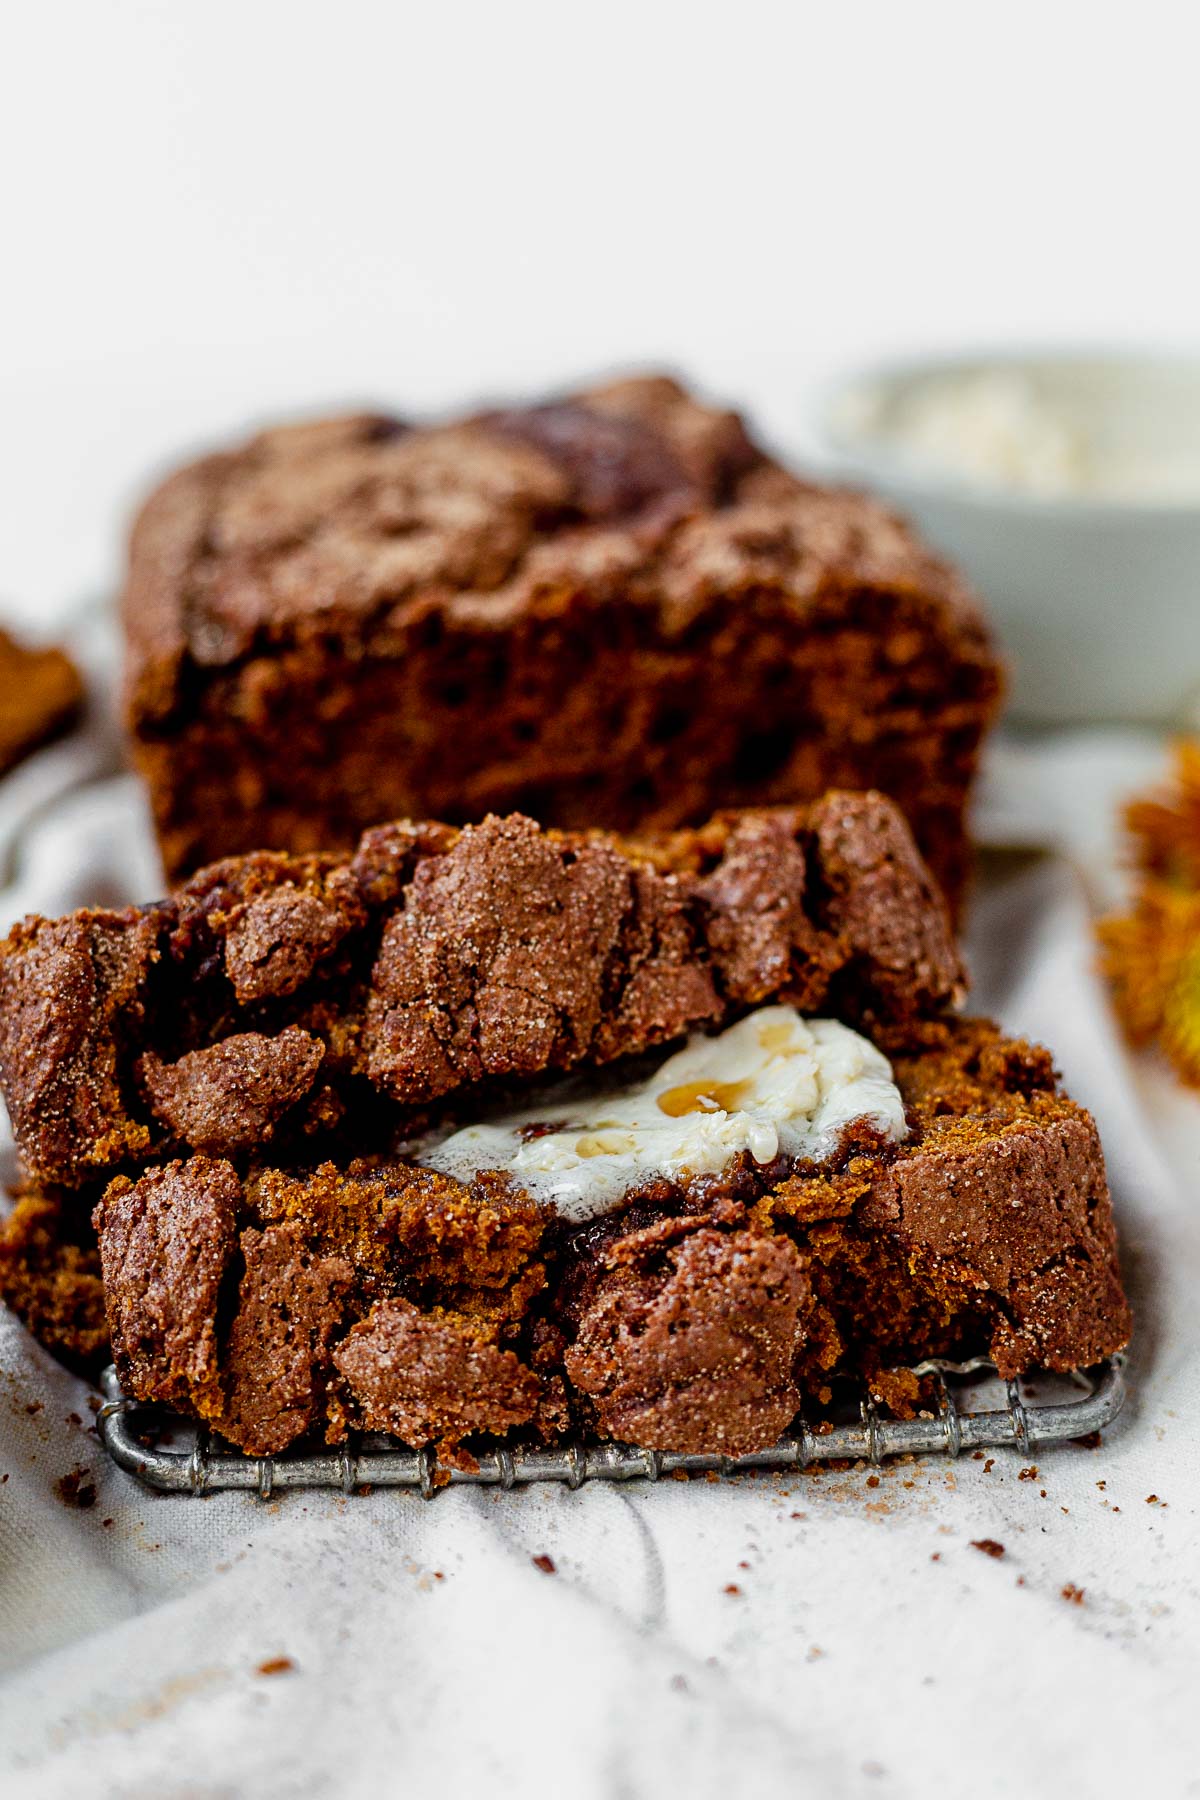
<point x="867" y="459"/>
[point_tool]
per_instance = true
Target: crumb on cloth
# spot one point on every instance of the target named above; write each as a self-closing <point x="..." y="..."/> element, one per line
<point x="76" y="1489"/>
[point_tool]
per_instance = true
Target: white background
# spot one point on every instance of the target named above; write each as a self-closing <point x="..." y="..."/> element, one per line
<point x="212" y="212"/>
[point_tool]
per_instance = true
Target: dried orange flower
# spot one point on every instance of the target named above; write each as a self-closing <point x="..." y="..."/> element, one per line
<point x="1151" y="955"/>
<point x="1166" y="827"/>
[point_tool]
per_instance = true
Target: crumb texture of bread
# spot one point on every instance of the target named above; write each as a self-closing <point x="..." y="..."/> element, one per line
<point x="612" y="610"/>
<point x="50" y="1277"/>
<point x="291" y="1303"/>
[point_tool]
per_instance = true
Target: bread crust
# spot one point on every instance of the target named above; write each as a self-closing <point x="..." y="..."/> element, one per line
<point x="613" y="610"/>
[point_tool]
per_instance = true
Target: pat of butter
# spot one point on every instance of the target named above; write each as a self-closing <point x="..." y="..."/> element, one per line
<point x="773" y="1084"/>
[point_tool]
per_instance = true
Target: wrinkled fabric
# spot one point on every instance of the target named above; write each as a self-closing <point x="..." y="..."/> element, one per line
<point x="820" y="1634"/>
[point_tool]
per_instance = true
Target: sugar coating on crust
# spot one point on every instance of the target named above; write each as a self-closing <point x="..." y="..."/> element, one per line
<point x="165" y="1244"/>
<point x="697" y="1355"/>
<point x="70" y="992"/>
<point x="231" y="1095"/>
<point x="339" y="520"/>
<point x="426" y="1377"/>
<point x="275" y="941"/>
<point x="982" y="1210"/>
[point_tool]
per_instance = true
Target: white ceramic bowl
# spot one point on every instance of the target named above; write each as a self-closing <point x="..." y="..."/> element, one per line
<point x="1096" y="600"/>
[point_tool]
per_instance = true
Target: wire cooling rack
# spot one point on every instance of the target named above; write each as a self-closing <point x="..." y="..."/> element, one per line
<point x="145" y="1442"/>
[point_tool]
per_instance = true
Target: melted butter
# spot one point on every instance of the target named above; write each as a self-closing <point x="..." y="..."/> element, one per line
<point x="703" y="1096"/>
<point x="773" y="1083"/>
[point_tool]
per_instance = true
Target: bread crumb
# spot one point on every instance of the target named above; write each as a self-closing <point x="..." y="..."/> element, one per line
<point x="545" y="1563"/>
<point x="989" y="1546"/>
<point x="276" y="1665"/>
<point x="1073" y="1594"/>
<point x="76" y="1489"/>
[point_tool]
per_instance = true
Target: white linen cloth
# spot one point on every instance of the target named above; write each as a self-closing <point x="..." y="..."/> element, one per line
<point x="869" y="1648"/>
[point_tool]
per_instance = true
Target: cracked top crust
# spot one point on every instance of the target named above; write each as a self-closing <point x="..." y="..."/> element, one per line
<point x="294" y="998"/>
<point x="364" y="528"/>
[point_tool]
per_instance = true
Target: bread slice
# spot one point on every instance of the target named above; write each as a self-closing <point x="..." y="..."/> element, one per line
<point x="693" y="1317"/>
<point x="302" y="1002"/>
<point x="612" y="610"/>
<point x="236" y="1077"/>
